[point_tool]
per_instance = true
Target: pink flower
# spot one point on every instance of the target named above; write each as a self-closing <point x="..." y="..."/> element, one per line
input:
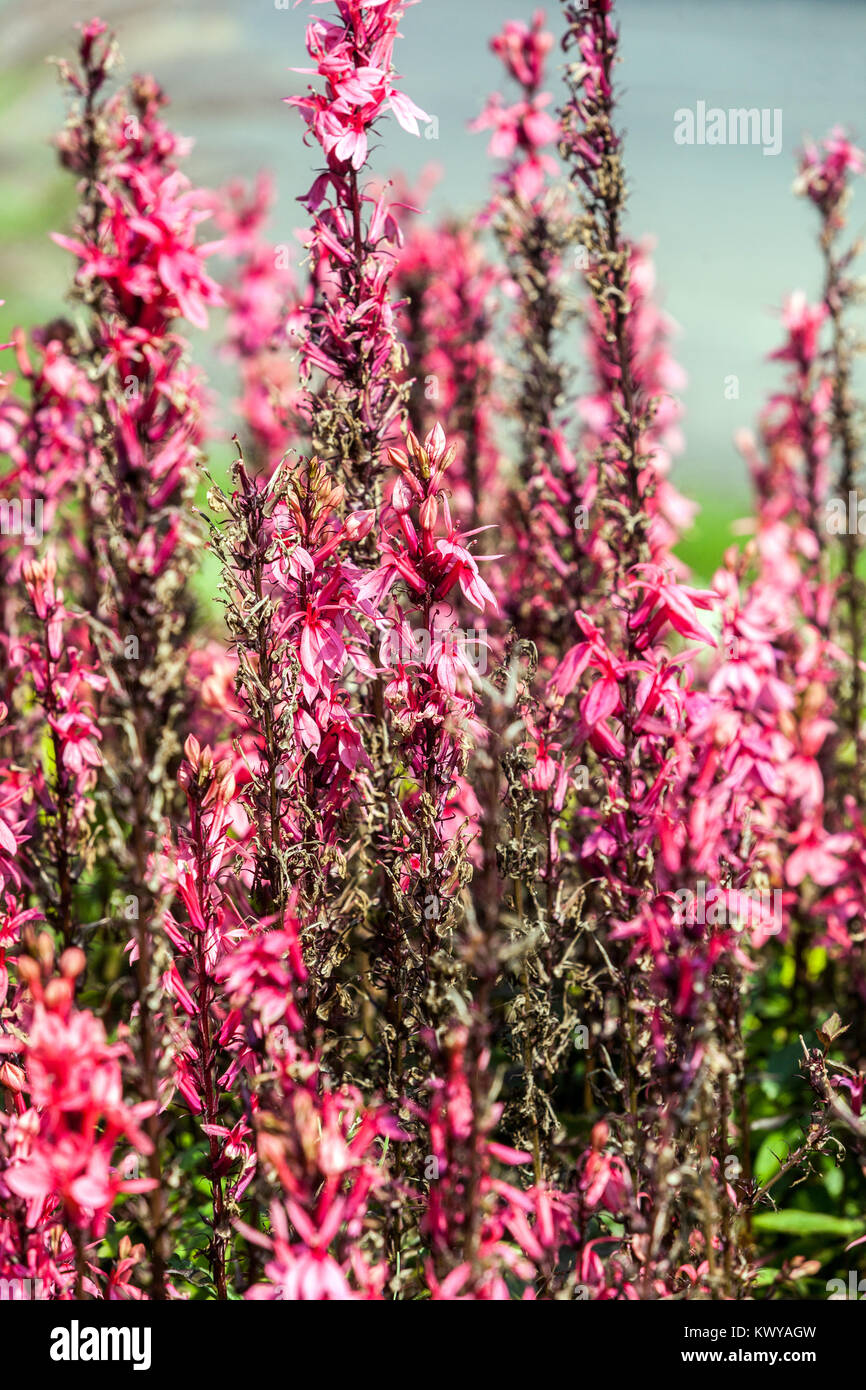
<point x="816" y="856"/>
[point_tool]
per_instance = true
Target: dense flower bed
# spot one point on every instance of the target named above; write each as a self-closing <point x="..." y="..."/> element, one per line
<point x="465" y="903"/>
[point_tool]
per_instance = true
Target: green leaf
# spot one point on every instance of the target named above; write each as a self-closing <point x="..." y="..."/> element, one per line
<point x="771" y="1155"/>
<point x="807" y="1223"/>
<point x="834" y="1180"/>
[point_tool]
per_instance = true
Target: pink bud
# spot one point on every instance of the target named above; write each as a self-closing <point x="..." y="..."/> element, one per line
<point x="72" y="962"/>
<point x="228" y="788"/>
<point x="57" y="995"/>
<point x="429" y="513"/>
<point x="11" y="1076"/>
<point x="401" y="497"/>
<point x="358" y="524"/>
<point x="55" y="638"/>
<point x="600" y="1135"/>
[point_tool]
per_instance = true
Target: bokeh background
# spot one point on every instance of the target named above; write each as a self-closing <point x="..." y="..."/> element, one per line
<point x="731" y="240"/>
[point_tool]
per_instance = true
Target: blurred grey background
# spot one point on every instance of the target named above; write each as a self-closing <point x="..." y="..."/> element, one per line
<point x="731" y="240"/>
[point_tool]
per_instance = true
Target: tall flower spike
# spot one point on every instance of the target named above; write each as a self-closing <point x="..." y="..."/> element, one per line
<point x="532" y="221"/>
<point x="825" y="177"/>
<point x="140" y="269"/>
<point x="348" y="342"/>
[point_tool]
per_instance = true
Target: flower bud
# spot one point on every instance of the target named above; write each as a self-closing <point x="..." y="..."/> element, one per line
<point x="28" y="970"/>
<point x="54" y="637"/>
<point x="11" y="1076"/>
<point x="72" y="962"/>
<point x="224" y="781"/>
<point x="358" y="524"/>
<point x="429" y="513"/>
<point x="401" y="497"/>
<point x="57" y="995"/>
<point x="397" y="459"/>
<point x="600" y="1135"/>
<point x="45" y="951"/>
